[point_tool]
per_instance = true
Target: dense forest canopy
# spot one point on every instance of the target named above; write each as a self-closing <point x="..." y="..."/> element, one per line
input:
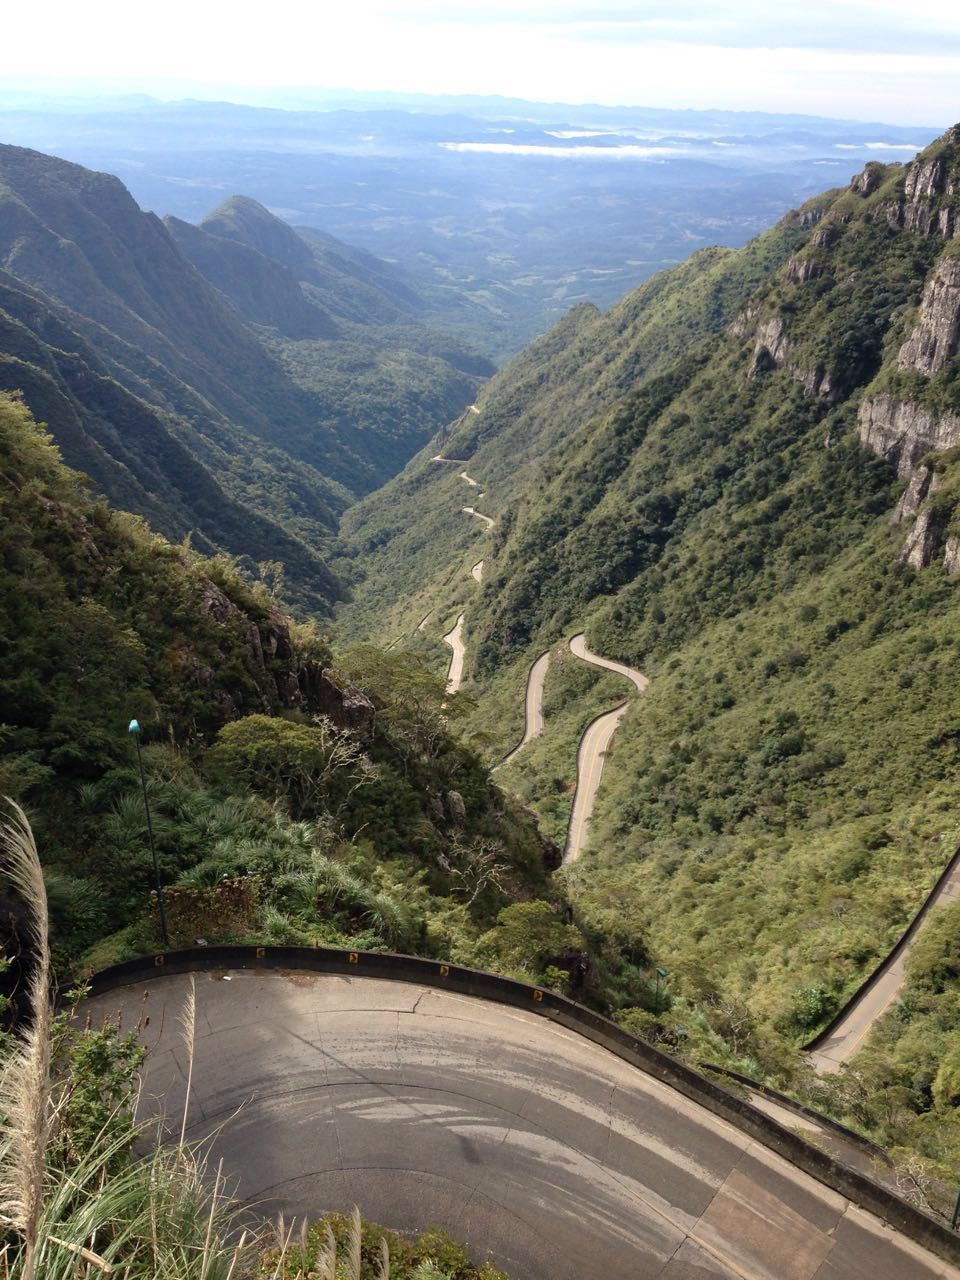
<point x="740" y="481"/>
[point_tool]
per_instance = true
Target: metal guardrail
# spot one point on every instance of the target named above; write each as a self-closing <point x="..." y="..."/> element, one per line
<point x="855" y="1186"/>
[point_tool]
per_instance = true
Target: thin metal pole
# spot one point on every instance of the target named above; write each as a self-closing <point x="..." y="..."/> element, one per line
<point x="153" y="849"/>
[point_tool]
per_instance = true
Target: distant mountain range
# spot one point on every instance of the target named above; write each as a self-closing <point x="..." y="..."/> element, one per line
<point x="506" y="213"/>
<point x="235" y="381"/>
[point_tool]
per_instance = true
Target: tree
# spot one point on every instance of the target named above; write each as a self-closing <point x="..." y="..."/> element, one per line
<point x="528" y="935"/>
<point x="413" y="708"/>
<point x="315" y="767"/>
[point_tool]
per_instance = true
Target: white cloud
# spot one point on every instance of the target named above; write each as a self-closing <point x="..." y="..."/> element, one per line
<point x="628" y="152"/>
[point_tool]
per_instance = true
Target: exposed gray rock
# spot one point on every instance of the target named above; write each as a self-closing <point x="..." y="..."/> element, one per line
<point x="951" y="555"/>
<point x="924" y="178"/>
<point x="904" y="433"/>
<point x="347" y="706"/>
<point x="922" y="209"/>
<point x="867" y="182"/>
<point x="456" y="809"/>
<point x="215" y="604"/>
<point x="924" y="541"/>
<point x="745" y="324"/>
<point x="936" y="335"/>
<point x="816" y="382"/>
<point x="770" y="348"/>
<point x="923" y="483"/>
<point x="801" y="268"/>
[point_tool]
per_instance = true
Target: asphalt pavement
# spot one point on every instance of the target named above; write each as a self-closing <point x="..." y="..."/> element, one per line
<point x="591" y="753"/>
<point x="529" y="1143"/>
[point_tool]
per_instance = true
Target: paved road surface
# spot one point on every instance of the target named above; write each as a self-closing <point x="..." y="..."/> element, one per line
<point x="454" y="638"/>
<point x="593" y="745"/>
<point x="533" y="705"/>
<point x="848" y="1036"/>
<point x="477" y="571"/>
<point x="472" y="511"/>
<point x="521" y="1138"/>
<point x="475" y="484"/>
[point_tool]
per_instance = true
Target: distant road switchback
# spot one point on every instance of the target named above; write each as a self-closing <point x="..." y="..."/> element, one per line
<point x="454" y="638"/>
<point x="593" y="746"/>
<point x="533" y="705"/>
<point x="844" y="1037"/>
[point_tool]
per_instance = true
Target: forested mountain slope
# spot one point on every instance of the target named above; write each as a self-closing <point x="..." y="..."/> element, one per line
<point x="334" y="798"/>
<point x="581" y="367"/>
<point x="761" y="518"/>
<point x="209" y="405"/>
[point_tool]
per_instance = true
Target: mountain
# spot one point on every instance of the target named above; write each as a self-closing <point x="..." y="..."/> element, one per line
<point x="263" y="759"/>
<point x="744" y="482"/>
<point x="233" y="407"/>
<point x="502" y="214"/>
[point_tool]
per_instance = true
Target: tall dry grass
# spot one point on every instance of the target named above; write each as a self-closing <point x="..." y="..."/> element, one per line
<point x="167" y="1215"/>
<point x="25" y="1113"/>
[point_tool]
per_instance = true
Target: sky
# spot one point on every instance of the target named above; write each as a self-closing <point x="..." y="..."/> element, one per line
<point x="897" y="62"/>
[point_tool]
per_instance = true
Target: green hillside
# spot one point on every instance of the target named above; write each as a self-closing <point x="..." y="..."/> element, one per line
<point x="203" y="383"/>
<point x="333" y="796"/>
<point x="741" y="482"/>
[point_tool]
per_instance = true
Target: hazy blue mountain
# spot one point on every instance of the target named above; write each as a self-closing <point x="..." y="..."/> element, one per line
<point x="199" y="381"/>
<point x="502" y="213"/>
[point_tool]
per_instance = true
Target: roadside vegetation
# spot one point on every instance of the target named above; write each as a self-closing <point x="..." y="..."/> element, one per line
<point x="273" y="821"/>
<point x="87" y="1190"/>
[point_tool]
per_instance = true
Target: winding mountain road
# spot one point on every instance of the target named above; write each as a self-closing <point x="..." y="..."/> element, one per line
<point x="878" y="994"/>
<point x="472" y="511"/>
<point x="592" y="749"/>
<point x="454" y="638"/>
<point x="533" y="705"/>
<point x="520" y="1137"/>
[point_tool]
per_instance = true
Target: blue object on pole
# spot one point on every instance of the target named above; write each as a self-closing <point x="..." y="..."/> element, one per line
<point x="134" y="726"/>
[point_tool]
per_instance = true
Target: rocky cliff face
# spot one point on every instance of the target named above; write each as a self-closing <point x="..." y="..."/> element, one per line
<point x="827" y="324"/>
<point x="926" y="206"/>
<point x="773" y="349"/>
<point x="936" y="335"/>
<point x="283" y="678"/>
<point x="905" y="433"/>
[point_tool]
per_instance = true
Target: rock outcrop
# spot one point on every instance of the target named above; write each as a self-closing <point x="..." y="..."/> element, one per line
<point x="923" y="208"/>
<point x="771" y="347"/>
<point x="951" y="555"/>
<point x="905" y="433"/>
<point x="803" y="267"/>
<point x="347" y="706"/>
<point x="925" y="541"/>
<point x="936" y="336"/>
<point x="924" y="482"/>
